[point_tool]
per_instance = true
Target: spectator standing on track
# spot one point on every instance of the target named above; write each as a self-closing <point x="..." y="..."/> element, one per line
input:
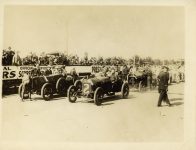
<point x="125" y="72"/>
<point x="25" y="85"/>
<point x="149" y="76"/>
<point x="163" y="79"/>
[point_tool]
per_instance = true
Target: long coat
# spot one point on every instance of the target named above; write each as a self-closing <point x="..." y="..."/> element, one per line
<point x="163" y="79"/>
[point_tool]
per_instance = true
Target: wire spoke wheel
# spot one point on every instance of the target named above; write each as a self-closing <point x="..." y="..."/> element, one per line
<point x="78" y="85"/>
<point x="125" y="90"/>
<point x="98" y="96"/>
<point x="23" y="93"/>
<point x="72" y="94"/>
<point x="47" y="91"/>
<point x="61" y="86"/>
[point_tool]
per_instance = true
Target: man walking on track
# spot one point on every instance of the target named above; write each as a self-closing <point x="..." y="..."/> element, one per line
<point x="163" y="79"/>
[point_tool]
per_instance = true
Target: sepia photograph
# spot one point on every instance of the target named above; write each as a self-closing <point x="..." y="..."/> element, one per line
<point x="93" y="74"/>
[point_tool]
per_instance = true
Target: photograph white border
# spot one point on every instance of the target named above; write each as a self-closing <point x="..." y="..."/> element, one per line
<point x="190" y="84"/>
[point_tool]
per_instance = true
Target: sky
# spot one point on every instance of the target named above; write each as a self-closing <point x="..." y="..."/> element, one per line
<point x="122" y="31"/>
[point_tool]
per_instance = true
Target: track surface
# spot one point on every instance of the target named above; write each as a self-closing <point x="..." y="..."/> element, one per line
<point x="136" y="119"/>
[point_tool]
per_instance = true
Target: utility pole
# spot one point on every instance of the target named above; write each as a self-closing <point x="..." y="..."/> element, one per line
<point x="67" y="38"/>
<point x="134" y="60"/>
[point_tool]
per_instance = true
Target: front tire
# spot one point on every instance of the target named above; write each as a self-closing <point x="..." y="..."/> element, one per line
<point x="71" y="94"/>
<point x="20" y="90"/>
<point x="125" y="90"/>
<point x="78" y="85"/>
<point x="46" y="91"/>
<point x="98" y="96"/>
<point x="60" y="86"/>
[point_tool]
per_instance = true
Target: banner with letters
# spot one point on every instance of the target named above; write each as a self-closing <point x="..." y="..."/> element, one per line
<point x="16" y="72"/>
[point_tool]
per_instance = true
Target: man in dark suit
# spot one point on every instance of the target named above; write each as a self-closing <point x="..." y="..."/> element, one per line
<point x="74" y="74"/>
<point x="163" y="79"/>
<point x="125" y="72"/>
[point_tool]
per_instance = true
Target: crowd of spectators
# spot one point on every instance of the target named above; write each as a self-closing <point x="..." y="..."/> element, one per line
<point x="11" y="57"/>
<point x="8" y="57"/>
<point x="135" y="66"/>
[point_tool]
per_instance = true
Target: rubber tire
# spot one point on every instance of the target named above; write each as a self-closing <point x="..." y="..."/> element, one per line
<point x="127" y="78"/>
<point x="76" y="84"/>
<point x="140" y="86"/>
<point x="60" y="91"/>
<point x="125" y="85"/>
<point x="20" y="90"/>
<point x="69" y="94"/>
<point x="97" y="100"/>
<point x="46" y="85"/>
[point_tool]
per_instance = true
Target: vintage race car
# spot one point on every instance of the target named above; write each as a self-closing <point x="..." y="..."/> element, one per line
<point x="96" y="88"/>
<point x="46" y="86"/>
<point x="142" y="79"/>
<point x="138" y="79"/>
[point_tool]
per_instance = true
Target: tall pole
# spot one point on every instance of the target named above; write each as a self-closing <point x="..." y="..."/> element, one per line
<point x="67" y="37"/>
<point x="134" y="60"/>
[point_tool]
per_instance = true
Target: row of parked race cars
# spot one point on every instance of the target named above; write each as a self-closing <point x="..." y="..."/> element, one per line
<point x="95" y="88"/>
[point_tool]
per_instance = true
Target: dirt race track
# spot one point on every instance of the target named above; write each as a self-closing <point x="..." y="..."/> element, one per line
<point x="136" y="119"/>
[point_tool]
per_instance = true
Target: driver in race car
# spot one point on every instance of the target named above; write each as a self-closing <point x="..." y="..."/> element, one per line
<point x="112" y="75"/>
<point x="104" y="71"/>
<point x="64" y="72"/>
<point x="74" y="74"/>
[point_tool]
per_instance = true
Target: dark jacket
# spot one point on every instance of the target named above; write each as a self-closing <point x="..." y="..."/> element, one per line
<point x="163" y="79"/>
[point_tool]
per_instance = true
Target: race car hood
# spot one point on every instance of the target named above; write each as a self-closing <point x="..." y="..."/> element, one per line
<point x="97" y="80"/>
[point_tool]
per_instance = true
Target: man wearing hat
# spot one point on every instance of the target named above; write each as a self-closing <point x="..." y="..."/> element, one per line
<point x="113" y="75"/>
<point x="38" y="70"/>
<point x="163" y="79"/>
<point x="74" y="74"/>
<point x="125" y="72"/>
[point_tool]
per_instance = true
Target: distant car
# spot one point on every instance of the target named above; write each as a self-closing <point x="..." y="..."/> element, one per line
<point x="97" y="87"/>
<point x="46" y="86"/>
<point x="141" y="79"/>
<point x="137" y="80"/>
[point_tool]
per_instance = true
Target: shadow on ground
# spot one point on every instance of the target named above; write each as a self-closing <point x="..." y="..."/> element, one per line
<point x="39" y="98"/>
<point x="106" y="100"/>
<point x="176" y="99"/>
<point x="177" y="103"/>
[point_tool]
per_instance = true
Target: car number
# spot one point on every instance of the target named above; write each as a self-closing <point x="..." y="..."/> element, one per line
<point x="86" y="88"/>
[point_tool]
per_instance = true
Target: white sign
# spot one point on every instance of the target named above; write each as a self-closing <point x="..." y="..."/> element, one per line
<point x="16" y="72"/>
